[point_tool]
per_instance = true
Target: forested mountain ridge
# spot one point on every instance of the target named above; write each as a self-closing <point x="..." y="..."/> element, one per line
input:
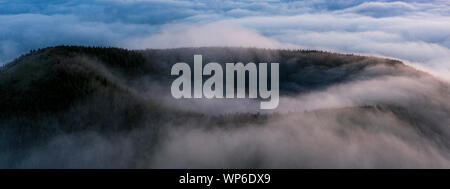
<point x="124" y="95"/>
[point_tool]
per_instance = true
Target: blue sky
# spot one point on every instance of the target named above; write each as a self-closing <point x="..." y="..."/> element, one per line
<point x="414" y="31"/>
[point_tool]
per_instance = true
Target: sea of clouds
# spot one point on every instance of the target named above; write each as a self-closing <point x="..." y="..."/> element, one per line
<point x="417" y="31"/>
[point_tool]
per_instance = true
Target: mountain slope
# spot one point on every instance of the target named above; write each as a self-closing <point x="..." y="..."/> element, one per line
<point x="113" y="108"/>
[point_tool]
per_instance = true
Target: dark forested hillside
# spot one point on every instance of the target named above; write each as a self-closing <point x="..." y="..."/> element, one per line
<point x="71" y="106"/>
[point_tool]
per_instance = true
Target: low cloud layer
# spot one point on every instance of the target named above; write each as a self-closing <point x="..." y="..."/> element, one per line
<point x="328" y="128"/>
<point x="205" y="35"/>
<point x="384" y="122"/>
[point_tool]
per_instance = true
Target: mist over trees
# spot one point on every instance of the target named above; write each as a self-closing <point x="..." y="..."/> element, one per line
<point x="93" y="107"/>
